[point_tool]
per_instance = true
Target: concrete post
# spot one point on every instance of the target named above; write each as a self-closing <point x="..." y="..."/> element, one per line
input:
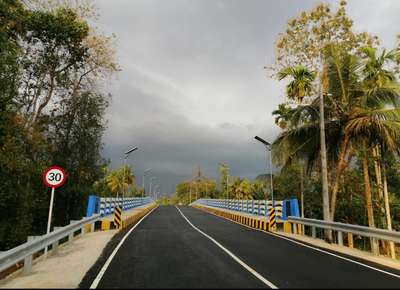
<point x="54" y="247"/>
<point x="28" y="259"/>
<point x="313" y="232"/>
<point x="340" y="238"/>
<point x="294" y="228"/>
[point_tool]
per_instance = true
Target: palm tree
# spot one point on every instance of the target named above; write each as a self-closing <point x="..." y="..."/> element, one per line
<point x="376" y="120"/>
<point x="241" y="189"/>
<point x="301" y="85"/>
<point x="282" y="115"/>
<point x="119" y="180"/>
<point x="363" y="107"/>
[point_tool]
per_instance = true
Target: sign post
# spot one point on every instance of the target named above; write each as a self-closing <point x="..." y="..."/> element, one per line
<point x="53" y="177"/>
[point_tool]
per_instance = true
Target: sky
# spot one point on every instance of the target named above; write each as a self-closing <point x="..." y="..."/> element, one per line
<point x="193" y="90"/>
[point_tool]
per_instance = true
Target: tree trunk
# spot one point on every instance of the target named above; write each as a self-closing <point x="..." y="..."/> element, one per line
<point x="324" y="169"/>
<point x="339" y="170"/>
<point x="368" y="201"/>
<point x="301" y="190"/>
<point x="387" y="210"/>
<point x="378" y="173"/>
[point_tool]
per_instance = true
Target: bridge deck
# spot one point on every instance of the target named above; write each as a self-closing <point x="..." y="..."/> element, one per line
<point x="165" y="251"/>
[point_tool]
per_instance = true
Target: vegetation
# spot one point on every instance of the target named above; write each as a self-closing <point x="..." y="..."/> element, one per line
<point x="52" y="64"/>
<point x="359" y="82"/>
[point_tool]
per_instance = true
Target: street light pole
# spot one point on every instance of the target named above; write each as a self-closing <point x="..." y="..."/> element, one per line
<point x="151" y="182"/>
<point x="269" y="148"/>
<point x="125" y="159"/>
<point x="143" y="184"/>
<point x="155" y="191"/>
<point x="270" y="176"/>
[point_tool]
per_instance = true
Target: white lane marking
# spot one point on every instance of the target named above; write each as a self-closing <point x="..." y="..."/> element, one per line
<point x="243" y="264"/>
<point x="96" y="281"/>
<point x="311" y="247"/>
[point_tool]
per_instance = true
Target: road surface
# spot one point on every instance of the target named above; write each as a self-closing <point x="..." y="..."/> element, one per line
<point x="183" y="247"/>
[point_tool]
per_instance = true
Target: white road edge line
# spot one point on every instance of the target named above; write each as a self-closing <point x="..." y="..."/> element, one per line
<point x="314" y="248"/>
<point x="239" y="261"/>
<point x="96" y="281"/>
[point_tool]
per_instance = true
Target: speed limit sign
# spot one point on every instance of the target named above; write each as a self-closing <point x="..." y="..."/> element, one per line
<point x="54" y="177"/>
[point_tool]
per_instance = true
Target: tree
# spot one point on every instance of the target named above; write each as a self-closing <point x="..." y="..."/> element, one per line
<point x="52" y="64"/>
<point x="120" y="179"/>
<point x="241" y="189"/>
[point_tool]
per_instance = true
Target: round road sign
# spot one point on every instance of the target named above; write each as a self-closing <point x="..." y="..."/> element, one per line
<point x="54" y="176"/>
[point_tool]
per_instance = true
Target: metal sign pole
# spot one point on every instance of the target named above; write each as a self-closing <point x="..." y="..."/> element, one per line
<point x="50" y="214"/>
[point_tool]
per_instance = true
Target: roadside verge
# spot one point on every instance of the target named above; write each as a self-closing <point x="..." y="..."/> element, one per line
<point x="68" y="266"/>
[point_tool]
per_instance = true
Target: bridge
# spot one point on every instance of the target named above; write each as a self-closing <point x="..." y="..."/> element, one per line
<point x="212" y="244"/>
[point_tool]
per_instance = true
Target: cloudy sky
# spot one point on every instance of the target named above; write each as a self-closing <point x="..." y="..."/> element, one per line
<point x="193" y="91"/>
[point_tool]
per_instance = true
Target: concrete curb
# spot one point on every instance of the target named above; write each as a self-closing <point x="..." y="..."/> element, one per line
<point x="108" y="224"/>
<point x="257" y="222"/>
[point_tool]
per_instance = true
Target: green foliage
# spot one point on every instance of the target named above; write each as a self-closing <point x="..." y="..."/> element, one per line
<point x="322" y="55"/>
<point x="52" y="112"/>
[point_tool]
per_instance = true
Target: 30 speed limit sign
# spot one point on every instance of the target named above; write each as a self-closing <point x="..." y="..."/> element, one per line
<point x="54" y="177"/>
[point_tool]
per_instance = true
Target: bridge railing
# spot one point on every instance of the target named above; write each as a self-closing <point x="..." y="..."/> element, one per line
<point x="37" y="244"/>
<point x="341" y="228"/>
<point x="284" y="208"/>
<point x="107" y="205"/>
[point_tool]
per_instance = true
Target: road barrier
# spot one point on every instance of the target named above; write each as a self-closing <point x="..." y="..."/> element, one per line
<point x="35" y="245"/>
<point x="272" y="219"/>
<point x="341" y="228"/>
<point x="118" y="217"/>
<point x="283" y="208"/>
<point x="107" y="205"/>
<point x="257" y="222"/>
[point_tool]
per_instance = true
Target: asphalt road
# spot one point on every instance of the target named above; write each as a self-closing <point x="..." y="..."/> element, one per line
<point x="165" y="251"/>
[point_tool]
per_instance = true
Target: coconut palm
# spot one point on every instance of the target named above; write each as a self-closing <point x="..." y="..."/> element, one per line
<point x="360" y="106"/>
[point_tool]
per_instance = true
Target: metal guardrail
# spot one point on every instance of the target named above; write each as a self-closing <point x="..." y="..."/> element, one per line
<point x="107" y="205"/>
<point x="255" y="207"/>
<point x="27" y="250"/>
<point x="379" y="234"/>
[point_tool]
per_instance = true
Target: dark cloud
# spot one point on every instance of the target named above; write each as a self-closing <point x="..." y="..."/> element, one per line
<point x="193" y="91"/>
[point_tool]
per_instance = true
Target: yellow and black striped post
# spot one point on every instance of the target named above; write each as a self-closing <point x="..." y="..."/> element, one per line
<point x="118" y="217"/>
<point x="272" y="219"/>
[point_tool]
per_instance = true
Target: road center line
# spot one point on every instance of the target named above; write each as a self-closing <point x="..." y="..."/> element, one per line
<point x="239" y="261"/>
<point x="313" y="248"/>
<point x="96" y="281"/>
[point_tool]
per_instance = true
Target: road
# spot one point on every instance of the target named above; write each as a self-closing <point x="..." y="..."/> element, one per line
<point x="188" y="248"/>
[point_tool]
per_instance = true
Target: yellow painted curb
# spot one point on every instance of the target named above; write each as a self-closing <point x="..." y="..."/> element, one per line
<point x="257" y="223"/>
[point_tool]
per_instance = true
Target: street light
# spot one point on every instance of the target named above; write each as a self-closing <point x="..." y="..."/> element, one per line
<point x="144" y="174"/>
<point x="151" y="181"/>
<point x="227" y="190"/>
<point x="125" y="158"/>
<point x="155" y="191"/>
<point x="269" y="148"/>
